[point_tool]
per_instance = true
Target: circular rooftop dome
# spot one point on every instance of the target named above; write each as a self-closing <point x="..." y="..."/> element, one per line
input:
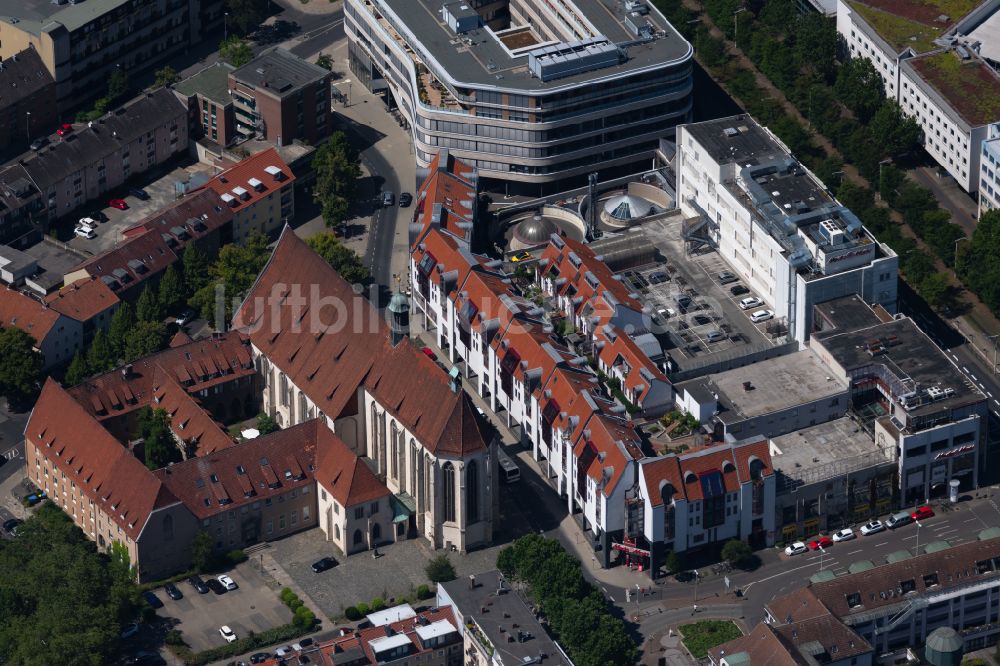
<point x="627" y="207"/>
<point x="535" y="230"/>
<point x="399" y="303"/>
<point x="944" y="639"/>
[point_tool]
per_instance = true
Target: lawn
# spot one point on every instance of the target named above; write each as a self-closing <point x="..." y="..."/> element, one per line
<point x="699" y="637"/>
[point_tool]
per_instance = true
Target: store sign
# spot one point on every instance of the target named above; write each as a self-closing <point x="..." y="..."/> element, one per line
<point x="631" y="550"/>
<point x="954" y="452"/>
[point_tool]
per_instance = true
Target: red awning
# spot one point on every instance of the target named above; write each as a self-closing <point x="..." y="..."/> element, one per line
<point x="631" y="550"/>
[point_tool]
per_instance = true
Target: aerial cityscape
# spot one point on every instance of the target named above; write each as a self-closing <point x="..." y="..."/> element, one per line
<point x="500" y="332"/>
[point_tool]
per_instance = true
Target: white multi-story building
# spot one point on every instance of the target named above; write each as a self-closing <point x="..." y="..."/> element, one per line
<point x="529" y="92"/>
<point x="989" y="171"/>
<point x="775" y="224"/>
<point x="935" y="68"/>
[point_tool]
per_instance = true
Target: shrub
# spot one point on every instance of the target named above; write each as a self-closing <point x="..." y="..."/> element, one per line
<point x="236" y="556"/>
<point x="424" y="592"/>
<point x="287" y="595"/>
<point x="295" y="604"/>
<point x="352" y="613"/>
<point x="173" y="637"/>
<point x="440" y="569"/>
<point x="362" y="609"/>
<point x="378" y="603"/>
<point x="304" y="617"/>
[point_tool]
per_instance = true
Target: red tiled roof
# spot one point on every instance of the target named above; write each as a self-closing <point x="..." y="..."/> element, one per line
<point x="197" y="214"/>
<point x="27" y="314"/>
<point x="344" y="475"/>
<point x="446" y="259"/>
<point x="838" y="640"/>
<point x="102" y="468"/>
<point x="188" y="420"/>
<point x="234" y="183"/>
<point x="83" y="300"/>
<point x="624" y="347"/>
<point x="450" y="186"/>
<point x="613" y="444"/>
<point x="764" y="647"/>
<point x="246" y="472"/>
<point x="560" y="257"/>
<point x="132" y="262"/>
<point x="656" y="471"/>
<point x="674" y="469"/>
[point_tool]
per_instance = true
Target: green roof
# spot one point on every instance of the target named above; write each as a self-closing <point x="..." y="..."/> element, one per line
<point x="858" y="567"/>
<point x="898" y="556"/>
<point x="937" y="546"/>
<point x="211" y="82"/>
<point x="822" y="576"/>
<point x="971" y="87"/>
<point x="912" y="24"/>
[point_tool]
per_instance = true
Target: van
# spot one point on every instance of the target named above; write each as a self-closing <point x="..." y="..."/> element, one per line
<point x="898" y="520"/>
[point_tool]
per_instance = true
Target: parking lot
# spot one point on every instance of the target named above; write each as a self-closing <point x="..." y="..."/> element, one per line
<point x="252" y="607"/>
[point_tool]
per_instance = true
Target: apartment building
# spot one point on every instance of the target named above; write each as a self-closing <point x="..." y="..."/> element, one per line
<point x="530" y="94"/>
<point x="27" y="102"/>
<point x="81" y="43"/>
<point x="935" y="66"/>
<point x="779" y="228"/>
<point x="88" y="301"/>
<point x="56" y="336"/>
<point x="989" y="171"/>
<point x="260" y="193"/>
<point x="210" y="103"/>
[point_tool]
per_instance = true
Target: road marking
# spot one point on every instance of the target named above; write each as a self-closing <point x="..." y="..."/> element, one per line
<point x="881" y="544"/>
<point x="973" y="377"/>
<point x="855" y="551"/>
<point x="996" y="401"/>
<point x="970" y="520"/>
<point x="787" y="571"/>
<point x="955" y="529"/>
<point x="912" y="536"/>
<point x="966" y="369"/>
<point x="989" y="394"/>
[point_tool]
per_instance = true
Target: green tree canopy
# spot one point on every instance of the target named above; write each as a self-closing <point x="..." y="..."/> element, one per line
<point x="235" y="51"/>
<point x="77" y="370"/>
<point x="122" y="322"/>
<point x="860" y="87"/>
<point x="736" y="552"/>
<point x="20" y="366"/>
<point x="165" y="77"/>
<point x="147" y="308"/>
<point x="325" y="60"/>
<point x="337" y="165"/>
<point x="440" y="569"/>
<point x="101" y="356"/>
<point x="344" y="260"/>
<point x="171" y="289"/>
<point x="234" y="271"/>
<point x="201" y="551"/>
<point x="894" y="132"/>
<point x="153" y="427"/>
<point x="195" y="268"/>
<point x="245" y="15"/>
<point x="266" y="424"/>
<point x="981" y="270"/>
<point x="145" y="338"/>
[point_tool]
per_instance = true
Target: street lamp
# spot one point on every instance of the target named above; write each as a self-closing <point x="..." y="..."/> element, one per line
<point x="994" y="339"/>
<point x="27" y="125"/>
<point x="697" y="579"/>
<point x="225" y="26"/>
<point x="917" y="551"/>
<point x="736" y="26"/>
<point x="822" y="554"/>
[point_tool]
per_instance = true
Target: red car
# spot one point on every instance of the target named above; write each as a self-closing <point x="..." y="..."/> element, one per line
<point x="821" y="542"/>
<point x="65" y="129"/>
<point x="922" y="513"/>
<point x="118" y="203"/>
<point x="429" y="353"/>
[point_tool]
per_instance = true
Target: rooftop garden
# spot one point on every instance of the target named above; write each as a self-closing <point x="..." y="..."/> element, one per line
<point x="970" y="86"/>
<point x="700" y="637"/>
<point x="910" y="24"/>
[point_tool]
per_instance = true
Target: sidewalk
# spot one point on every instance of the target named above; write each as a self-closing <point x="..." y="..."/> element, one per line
<point x="9" y="501"/>
<point x="665" y="641"/>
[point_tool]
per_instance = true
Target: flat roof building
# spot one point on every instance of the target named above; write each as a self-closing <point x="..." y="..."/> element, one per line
<point x="512" y="87"/>
<point x="27" y="101"/>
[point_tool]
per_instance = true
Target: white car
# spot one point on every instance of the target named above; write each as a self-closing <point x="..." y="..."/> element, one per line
<point x="87" y="222"/>
<point x="872" y="527"/>
<point x="227" y="633"/>
<point x="761" y="315"/>
<point x="85" y="232"/>
<point x="750" y="302"/>
<point x="796" y="548"/>
<point x="282" y="652"/>
<point x="227" y="582"/>
<point x="845" y="534"/>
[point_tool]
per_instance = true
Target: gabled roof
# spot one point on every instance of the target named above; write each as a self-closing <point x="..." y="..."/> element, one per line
<point x="96" y="462"/>
<point x="132" y="262"/>
<point x="188" y="419"/>
<point x="342" y="473"/>
<point x="763" y="646"/>
<point x="189" y="218"/>
<point x="604" y="446"/>
<point x="27" y="314"/>
<point x="577" y="263"/>
<point x="447" y="197"/>
<point x="621" y="347"/>
<point x="255" y="178"/>
<point x="684" y="472"/>
<point x="83" y="300"/>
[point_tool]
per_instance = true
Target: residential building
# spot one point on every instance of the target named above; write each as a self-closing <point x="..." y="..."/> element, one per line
<point x="57" y="336"/>
<point x="880" y="610"/>
<point x="281" y="97"/>
<point x="88" y="301"/>
<point x="933" y="64"/>
<point x="91" y="161"/>
<point x="508" y="634"/>
<point x="27" y="102"/>
<point x="81" y="44"/>
<point x="529" y="94"/>
<point x="260" y="193"/>
<point x="16" y="266"/>
<point x="210" y="103"/>
<point x="779" y="228"/>
<point x="448" y="196"/>
<point x="989" y="171"/>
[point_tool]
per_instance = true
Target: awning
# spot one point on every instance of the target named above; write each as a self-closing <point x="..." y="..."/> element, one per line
<point x="403" y="506"/>
<point x="631" y="550"/>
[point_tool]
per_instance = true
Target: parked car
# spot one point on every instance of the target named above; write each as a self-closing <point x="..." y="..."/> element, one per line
<point x="186" y="316"/>
<point x="725" y="277"/>
<point x="40" y="143"/>
<point x="259" y="657"/>
<point x="657" y="277"/>
<point x="283" y="651"/>
<point x="198" y="584"/>
<point x="388" y="199"/>
<point x="87" y="222"/>
<point x="322" y="565"/>
<point x="139" y="193"/>
<point x="520" y="256"/>
<point x="227" y="633"/>
<point x="10" y="526"/>
<point x="872" y="527"/>
<point x="172" y="591"/>
<point x="761" y="315"/>
<point x="227" y="582"/>
<point x="739" y="290"/>
<point x="750" y="302"/>
<point x="666" y="313"/>
<point x="98" y="215"/>
<point x="845" y="534"/>
<point x="152" y="599"/>
<point x="85" y="232"/>
<point x="820" y="542"/>
<point x="715" y="336"/>
<point x="898" y="520"/>
<point x="215" y="586"/>
<point x="796" y="548"/>
<point x="120" y="204"/>
<point x="64" y="129"/>
<point x="405" y="199"/>
<point x="922" y="513"/>
<point x="304" y="643"/>
<point x="130" y="630"/>
<point x="35" y="498"/>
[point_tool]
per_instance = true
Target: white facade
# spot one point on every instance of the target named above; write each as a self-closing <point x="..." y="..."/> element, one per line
<point x="863" y="42"/>
<point x="989" y="171"/>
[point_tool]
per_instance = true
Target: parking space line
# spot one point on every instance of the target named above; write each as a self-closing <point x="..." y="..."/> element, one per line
<point x="854" y="552"/>
<point x="881" y="544"/>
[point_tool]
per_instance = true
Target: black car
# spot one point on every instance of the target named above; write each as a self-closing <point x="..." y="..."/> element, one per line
<point x="139" y="193"/>
<point x="701" y="320"/>
<point x="10" y="526"/>
<point x="658" y="277"/>
<point x="198" y="584"/>
<point x="324" y="564"/>
<point x="97" y="215"/>
<point x="215" y="586"/>
<point x="739" y="290"/>
<point x="405" y="199"/>
<point x="259" y="658"/>
<point x="152" y="599"/>
<point x="172" y="591"/>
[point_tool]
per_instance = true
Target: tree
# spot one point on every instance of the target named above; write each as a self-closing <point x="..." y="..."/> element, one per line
<point x="895" y="132"/>
<point x="195" y="268"/>
<point x="201" y="551"/>
<point x="117" y="88"/>
<point x="859" y="86"/>
<point x="147" y="308"/>
<point x="265" y="424"/>
<point x="165" y="77"/>
<point x="101" y="356"/>
<point x="235" y="51"/>
<point x="246" y="14"/>
<point x="440" y="569"/>
<point x="171" y="288"/>
<point x="325" y="61"/>
<point x="736" y="552"/>
<point x="234" y="271"/>
<point x="936" y="290"/>
<point x="153" y="427"/>
<point x="145" y="338"/>
<point x="337" y="165"/>
<point x="672" y="562"/>
<point x="981" y="269"/>
<point x="20" y="366"/>
<point x="344" y="260"/>
<point x="77" y="370"/>
<point x="122" y="322"/>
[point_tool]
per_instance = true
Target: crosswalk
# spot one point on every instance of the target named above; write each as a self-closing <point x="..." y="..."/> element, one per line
<point x="11" y="454"/>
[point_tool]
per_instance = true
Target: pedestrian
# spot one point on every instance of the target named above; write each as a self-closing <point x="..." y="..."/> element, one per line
<point x="695" y="610"/>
